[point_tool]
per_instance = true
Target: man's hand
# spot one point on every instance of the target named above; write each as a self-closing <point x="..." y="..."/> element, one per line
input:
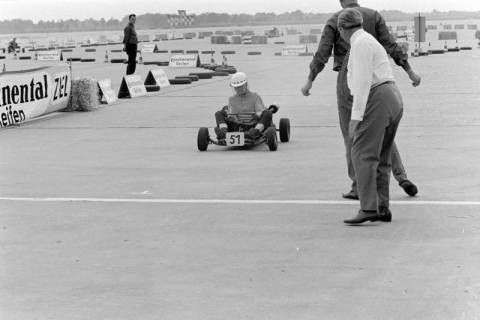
<point x="414" y="77"/>
<point x="352" y="127"/>
<point x="306" y="88"/>
<point x="255" y="117"/>
<point x="125" y="49"/>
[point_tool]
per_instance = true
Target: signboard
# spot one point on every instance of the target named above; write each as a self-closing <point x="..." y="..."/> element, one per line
<point x="149" y="48"/>
<point x="106" y="91"/>
<point x="131" y="87"/>
<point x="420" y="27"/>
<point x="28" y="94"/>
<point x="184" y="61"/>
<point x="48" y="56"/>
<point x="293" y="50"/>
<point x="157" y="77"/>
<point x="235" y="139"/>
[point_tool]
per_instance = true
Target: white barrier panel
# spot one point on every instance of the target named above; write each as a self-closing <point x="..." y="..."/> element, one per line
<point x="106" y="90"/>
<point x="184" y="61"/>
<point x="293" y="50"/>
<point x="131" y="87"/>
<point x="157" y="77"/>
<point x="28" y="94"/>
<point x="149" y="48"/>
<point x="48" y="56"/>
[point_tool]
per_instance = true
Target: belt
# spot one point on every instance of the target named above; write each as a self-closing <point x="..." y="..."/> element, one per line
<point x="382" y="83"/>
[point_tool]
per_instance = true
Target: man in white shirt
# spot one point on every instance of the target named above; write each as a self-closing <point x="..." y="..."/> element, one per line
<point x="376" y="113"/>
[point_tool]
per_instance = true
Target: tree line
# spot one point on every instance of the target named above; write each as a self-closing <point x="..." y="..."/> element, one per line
<point x="209" y="19"/>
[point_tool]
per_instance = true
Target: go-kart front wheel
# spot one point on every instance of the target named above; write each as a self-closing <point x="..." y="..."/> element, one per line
<point x="284" y="130"/>
<point x="203" y="139"/>
<point x="271" y="137"/>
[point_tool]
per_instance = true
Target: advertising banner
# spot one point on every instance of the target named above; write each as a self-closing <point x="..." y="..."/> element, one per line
<point x="184" y="61"/>
<point x="27" y="94"/>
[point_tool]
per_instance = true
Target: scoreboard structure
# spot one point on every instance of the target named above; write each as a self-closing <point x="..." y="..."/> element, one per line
<point x="181" y="19"/>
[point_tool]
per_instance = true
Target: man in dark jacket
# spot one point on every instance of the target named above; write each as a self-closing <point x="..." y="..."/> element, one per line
<point x="130" y="42"/>
<point x="374" y="24"/>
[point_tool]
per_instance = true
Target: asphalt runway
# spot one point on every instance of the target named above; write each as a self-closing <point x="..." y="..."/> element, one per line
<point x="114" y="214"/>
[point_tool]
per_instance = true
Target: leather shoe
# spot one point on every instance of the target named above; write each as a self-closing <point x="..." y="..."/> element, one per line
<point x="362" y="217"/>
<point x="384" y="214"/>
<point x="352" y="195"/>
<point x="409" y="187"/>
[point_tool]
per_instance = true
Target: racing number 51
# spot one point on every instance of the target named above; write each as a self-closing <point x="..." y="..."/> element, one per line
<point x="235" y="139"/>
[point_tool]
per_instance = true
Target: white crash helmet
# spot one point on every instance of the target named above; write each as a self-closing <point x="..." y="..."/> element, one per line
<point x="238" y="79"/>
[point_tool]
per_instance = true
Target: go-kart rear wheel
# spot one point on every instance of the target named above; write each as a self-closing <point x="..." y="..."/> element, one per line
<point x="284" y="130"/>
<point x="203" y="139"/>
<point x="271" y="136"/>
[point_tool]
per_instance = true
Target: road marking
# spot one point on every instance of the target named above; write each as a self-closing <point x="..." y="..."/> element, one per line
<point x="236" y="201"/>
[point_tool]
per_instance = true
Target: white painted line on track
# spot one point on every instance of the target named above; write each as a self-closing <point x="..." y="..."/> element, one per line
<point x="235" y="201"/>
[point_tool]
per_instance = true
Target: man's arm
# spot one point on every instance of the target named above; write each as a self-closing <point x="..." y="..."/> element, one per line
<point x="126" y="34"/>
<point x="259" y="106"/>
<point x="361" y="64"/>
<point x="322" y="55"/>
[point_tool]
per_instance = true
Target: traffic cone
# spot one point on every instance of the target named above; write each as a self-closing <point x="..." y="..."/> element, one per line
<point x="4" y="69"/>
<point x="106" y="56"/>
<point x="212" y="59"/>
<point x="140" y="59"/>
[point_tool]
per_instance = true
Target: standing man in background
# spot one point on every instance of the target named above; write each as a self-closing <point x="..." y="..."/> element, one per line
<point x="374" y="24"/>
<point x="130" y="42"/>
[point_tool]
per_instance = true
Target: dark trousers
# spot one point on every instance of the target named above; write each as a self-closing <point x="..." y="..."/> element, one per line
<point x="372" y="145"/>
<point x="131" y="50"/>
<point x="344" y="102"/>
<point x="265" y="118"/>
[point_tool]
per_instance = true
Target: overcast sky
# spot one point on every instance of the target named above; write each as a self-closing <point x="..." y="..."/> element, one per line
<point x="75" y="9"/>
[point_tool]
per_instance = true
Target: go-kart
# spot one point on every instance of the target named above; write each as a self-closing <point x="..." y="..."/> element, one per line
<point x="238" y="126"/>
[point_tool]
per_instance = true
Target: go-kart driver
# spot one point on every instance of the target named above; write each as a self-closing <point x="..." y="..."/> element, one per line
<point x="244" y="101"/>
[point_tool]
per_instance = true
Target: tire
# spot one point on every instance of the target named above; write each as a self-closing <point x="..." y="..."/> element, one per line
<point x="180" y="81"/>
<point x="203" y="139"/>
<point x="118" y="60"/>
<point x="230" y="70"/>
<point x="284" y="130"/>
<point x="88" y="60"/>
<point x="202" y="75"/>
<point x="152" y="88"/>
<point x="191" y="78"/>
<point x="220" y="74"/>
<point x="254" y="53"/>
<point x="271" y="136"/>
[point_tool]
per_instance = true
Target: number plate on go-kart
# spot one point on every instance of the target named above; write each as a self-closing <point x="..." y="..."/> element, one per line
<point x="235" y="139"/>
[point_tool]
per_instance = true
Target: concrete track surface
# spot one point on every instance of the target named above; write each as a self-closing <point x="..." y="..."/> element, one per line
<point x="114" y="214"/>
